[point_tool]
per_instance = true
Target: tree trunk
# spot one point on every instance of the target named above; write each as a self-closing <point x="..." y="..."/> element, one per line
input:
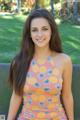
<point x="75" y="9"/>
<point x="36" y="4"/>
<point x="18" y="5"/>
<point x="52" y="7"/>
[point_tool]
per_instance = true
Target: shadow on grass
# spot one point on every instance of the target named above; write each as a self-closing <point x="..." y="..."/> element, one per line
<point x="70" y="40"/>
<point x="11" y="32"/>
<point x="11" y="28"/>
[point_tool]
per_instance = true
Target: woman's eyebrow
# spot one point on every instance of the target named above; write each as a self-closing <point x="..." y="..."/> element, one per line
<point x="36" y="27"/>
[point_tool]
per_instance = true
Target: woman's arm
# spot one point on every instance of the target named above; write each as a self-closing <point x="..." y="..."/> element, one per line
<point x="14" y="106"/>
<point x="66" y="90"/>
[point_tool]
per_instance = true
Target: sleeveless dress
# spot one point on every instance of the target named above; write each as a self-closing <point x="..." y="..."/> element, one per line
<point x="41" y="97"/>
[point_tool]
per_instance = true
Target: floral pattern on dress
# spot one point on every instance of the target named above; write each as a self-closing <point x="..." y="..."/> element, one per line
<point x="41" y="101"/>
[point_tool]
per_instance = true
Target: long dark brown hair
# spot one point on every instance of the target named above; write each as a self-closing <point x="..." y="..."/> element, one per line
<point x="20" y="64"/>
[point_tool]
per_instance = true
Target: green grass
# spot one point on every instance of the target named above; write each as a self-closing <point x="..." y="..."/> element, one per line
<point x="10" y="37"/>
<point x="70" y="36"/>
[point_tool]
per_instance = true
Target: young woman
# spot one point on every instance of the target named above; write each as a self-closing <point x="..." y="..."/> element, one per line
<point x="41" y="74"/>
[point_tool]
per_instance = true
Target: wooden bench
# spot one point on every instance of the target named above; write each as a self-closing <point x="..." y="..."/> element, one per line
<point x="5" y="91"/>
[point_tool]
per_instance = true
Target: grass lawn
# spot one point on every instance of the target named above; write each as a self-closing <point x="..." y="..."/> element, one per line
<point x="10" y="37"/>
<point x="70" y="36"/>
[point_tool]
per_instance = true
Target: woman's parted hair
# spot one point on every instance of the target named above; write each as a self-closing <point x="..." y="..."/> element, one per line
<point x="20" y="64"/>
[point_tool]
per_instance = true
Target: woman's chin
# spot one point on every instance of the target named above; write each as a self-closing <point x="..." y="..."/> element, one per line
<point x="41" y="45"/>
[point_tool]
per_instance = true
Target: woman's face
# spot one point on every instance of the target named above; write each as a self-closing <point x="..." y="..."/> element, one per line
<point x="40" y="32"/>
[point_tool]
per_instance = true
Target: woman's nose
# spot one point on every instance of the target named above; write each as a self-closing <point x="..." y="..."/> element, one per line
<point x="40" y="33"/>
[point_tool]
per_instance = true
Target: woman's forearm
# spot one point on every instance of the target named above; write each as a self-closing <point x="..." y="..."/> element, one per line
<point x="69" y="106"/>
<point x="14" y="106"/>
<point x="12" y="111"/>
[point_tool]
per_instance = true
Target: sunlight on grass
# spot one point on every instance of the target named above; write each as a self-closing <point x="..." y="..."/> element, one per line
<point x="11" y="28"/>
<point x="7" y="17"/>
<point x="58" y="21"/>
<point x="73" y="44"/>
<point x="19" y="17"/>
<point x="78" y="27"/>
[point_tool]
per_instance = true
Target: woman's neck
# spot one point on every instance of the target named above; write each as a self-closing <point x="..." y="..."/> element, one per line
<point x="42" y="53"/>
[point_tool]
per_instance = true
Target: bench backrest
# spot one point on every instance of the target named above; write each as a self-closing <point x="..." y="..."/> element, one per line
<point x="5" y="91"/>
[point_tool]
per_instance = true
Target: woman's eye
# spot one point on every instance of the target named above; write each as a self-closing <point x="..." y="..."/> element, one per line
<point x="45" y="29"/>
<point x="34" y="30"/>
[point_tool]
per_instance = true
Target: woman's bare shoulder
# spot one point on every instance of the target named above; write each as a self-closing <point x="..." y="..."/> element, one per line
<point x="62" y="55"/>
<point x="65" y="58"/>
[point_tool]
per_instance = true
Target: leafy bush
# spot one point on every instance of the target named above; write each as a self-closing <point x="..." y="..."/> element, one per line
<point x="5" y="6"/>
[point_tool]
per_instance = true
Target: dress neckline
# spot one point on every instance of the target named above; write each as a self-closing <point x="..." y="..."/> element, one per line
<point x="48" y="58"/>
